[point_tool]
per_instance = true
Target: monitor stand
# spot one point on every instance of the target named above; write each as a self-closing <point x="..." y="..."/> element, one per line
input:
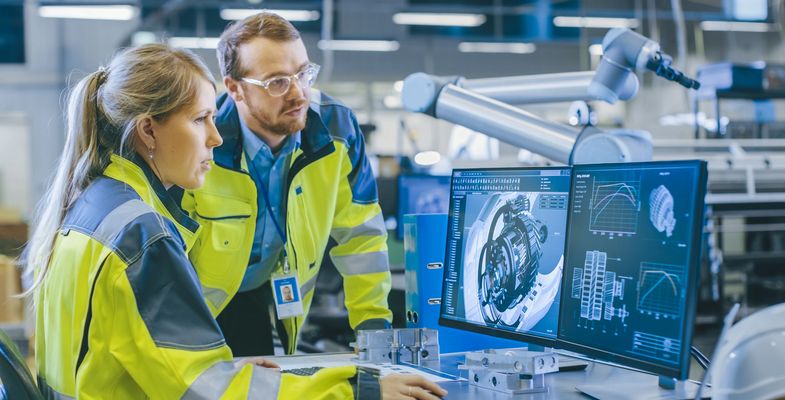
<point x="650" y="387"/>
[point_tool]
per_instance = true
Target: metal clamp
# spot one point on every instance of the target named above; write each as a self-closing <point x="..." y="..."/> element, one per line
<point x="419" y="346"/>
<point x="514" y="372"/>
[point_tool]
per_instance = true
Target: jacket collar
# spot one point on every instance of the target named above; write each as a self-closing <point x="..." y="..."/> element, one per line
<point x="313" y="137"/>
<point x="135" y="172"/>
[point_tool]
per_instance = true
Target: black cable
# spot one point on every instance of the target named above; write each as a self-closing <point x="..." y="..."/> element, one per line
<point x="702" y="360"/>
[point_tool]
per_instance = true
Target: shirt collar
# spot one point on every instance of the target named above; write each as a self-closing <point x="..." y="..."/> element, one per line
<point x="253" y="144"/>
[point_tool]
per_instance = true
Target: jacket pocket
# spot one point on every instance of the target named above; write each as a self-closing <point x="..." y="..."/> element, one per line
<point x="221" y="252"/>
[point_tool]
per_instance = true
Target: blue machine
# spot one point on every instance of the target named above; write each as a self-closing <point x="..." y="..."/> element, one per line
<point x="424" y="247"/>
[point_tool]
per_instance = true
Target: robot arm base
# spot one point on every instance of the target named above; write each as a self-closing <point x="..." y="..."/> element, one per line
<point x="612" y="147"/>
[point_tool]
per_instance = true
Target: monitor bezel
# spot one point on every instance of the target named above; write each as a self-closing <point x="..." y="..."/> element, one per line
<point x="682" y="370"/>
<point x="399" y="210"/>
<point x="487" y="330"/>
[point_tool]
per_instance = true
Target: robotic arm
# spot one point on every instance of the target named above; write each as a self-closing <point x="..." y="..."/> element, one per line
<point x="482" y="104"/>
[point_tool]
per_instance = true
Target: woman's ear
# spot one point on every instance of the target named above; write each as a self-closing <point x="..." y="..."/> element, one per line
<point x="145" y="132"/>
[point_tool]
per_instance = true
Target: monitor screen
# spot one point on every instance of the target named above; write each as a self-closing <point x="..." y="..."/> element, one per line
<point x="422" y="194"/>
<point x="631" y="271"/>
<point x="505" y="250"/>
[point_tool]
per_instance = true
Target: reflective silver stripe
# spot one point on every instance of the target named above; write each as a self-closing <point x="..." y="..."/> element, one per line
<point x="215" y="296"/>
<point x="117" y="220"/>
<point x="309" y="285"/>
<point x="372" y="227"/>
<point x="214" y="382"/>
<point x="363" y="263"/>
<point x="265" y="384"/>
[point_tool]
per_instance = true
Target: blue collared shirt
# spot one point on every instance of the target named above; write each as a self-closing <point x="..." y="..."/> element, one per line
<point x="269" y="170"/>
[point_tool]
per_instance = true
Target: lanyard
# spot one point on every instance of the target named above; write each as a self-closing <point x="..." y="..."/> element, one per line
<point x="278" y="229"/>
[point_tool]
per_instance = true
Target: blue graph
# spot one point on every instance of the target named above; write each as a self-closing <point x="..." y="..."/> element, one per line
<point x="615" y="207"/>
<point x="659" y="289"/>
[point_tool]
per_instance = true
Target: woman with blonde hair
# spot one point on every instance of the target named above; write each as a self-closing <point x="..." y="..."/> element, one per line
<point x="119" y="308"/>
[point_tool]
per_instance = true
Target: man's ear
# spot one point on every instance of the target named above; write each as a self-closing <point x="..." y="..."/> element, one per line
<point x="234" y="89"/>
<point x="145" y="132"/>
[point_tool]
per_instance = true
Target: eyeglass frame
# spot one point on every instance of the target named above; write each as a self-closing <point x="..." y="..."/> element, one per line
<point x="266" y="83"/>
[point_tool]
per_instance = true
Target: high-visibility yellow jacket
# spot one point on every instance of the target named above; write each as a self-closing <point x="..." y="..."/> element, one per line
<point x="121" y="315"/>
<point x="330" y="202"/>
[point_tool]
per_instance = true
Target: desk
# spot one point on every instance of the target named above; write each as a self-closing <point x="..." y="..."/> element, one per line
<point x="560" y="385"/>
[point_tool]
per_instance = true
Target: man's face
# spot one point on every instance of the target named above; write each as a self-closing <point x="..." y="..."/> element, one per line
<point x="262" y="59"/>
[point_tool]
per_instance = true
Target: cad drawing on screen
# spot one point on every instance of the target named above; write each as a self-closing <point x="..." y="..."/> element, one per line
<point x="503" y="252"/>
<point x="661" y="210"/>
<point x="596" y="287"/>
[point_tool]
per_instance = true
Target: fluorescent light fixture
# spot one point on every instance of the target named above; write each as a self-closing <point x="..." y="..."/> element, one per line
<point x="233" y="14"/>
<point x="358" y="45"/>
<point x="595" y="49"/>
<point x="438" y="19"/>
<point x="496" y="47"/>
<point x="594" y="22"/>
<point x="115" y="12"/>
<point x="142" y="37"/>
<point x="194" y="42"/>
<point x="426" y="158"/>
<point x="736" y="26"/>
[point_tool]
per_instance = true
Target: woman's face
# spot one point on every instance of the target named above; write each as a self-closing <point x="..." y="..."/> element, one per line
<point x="185" y="140"/>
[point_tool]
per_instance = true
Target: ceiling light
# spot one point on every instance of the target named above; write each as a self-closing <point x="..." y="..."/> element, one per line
<point x="358" y="45"/>
<point x="143" y="37"/>
<point x="737" y="26"/>
<point x="438" y="19"/>
<point x="117" y="12"/>
<point x="194" y="42"/>
<point x="426" y="158"/>
<point x="496" y="47"/>
<point x="233" y="14"/>
<point x="595" y="49"/>
<point x="594" y="22"/>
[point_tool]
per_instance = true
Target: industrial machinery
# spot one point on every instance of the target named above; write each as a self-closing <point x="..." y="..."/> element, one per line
<point x="484" y="104"/>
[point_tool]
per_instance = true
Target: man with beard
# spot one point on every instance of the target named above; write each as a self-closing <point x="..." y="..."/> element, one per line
<point x="290" y="185"/>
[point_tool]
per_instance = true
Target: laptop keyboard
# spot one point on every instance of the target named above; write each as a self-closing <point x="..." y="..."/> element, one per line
<point x="307" y="371"/>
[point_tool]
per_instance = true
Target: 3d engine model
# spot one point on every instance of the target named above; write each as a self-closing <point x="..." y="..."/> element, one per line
<point x="509" y="263"/>
<point x="661" y="210"/>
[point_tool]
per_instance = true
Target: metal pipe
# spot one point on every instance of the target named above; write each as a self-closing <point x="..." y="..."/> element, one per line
<point x="506" y="123"/>
<point x="546" y="88"/>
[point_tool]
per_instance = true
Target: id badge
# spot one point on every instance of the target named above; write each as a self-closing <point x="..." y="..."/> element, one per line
<point x="286" y="292"/>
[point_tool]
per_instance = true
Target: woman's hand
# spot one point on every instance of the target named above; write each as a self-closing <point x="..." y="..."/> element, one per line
<point x="262" y="362"/>
<point x="407" y="387"/>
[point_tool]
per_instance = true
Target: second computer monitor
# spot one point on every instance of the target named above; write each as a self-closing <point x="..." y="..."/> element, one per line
<point x="631" y="270"/>
<point x="504" y="256"/>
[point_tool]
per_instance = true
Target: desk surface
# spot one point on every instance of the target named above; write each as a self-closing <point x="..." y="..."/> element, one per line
<point x="629" y="384"/>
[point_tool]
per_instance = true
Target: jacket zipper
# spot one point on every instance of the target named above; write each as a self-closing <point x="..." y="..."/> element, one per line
<point x="298" y="165"/>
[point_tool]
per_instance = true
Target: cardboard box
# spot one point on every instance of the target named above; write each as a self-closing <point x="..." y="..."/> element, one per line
<point x="11" y="309"/>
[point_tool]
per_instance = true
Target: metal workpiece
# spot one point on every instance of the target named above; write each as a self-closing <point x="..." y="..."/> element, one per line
<point x="418" y="346"/>
<point x="506" y="123"/>
<point x="512" y="372"/>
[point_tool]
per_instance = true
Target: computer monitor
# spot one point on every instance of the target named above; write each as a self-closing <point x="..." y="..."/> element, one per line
<point x="505" y="251"/>
<point x="422" y="194"/>
<point x="632" y="262"/>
